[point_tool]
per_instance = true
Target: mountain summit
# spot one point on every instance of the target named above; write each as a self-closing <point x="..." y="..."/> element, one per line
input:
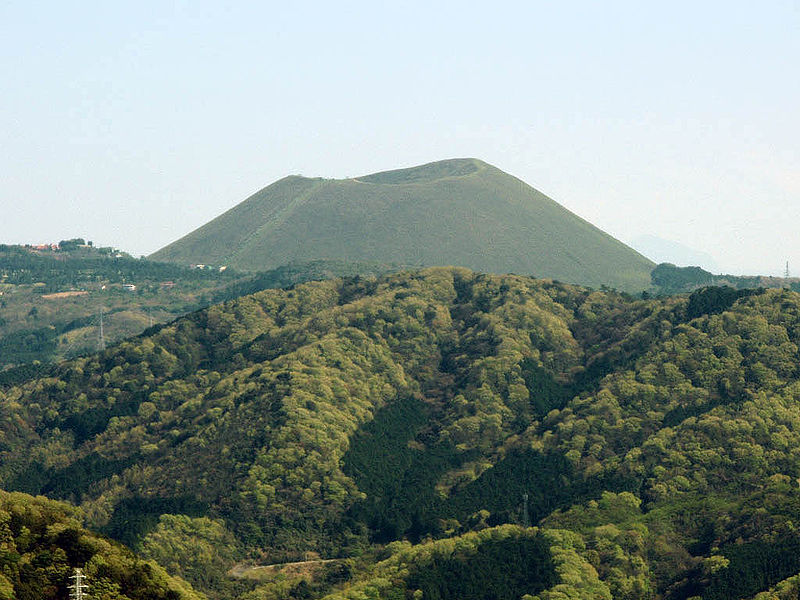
<point x="461" y="212"/>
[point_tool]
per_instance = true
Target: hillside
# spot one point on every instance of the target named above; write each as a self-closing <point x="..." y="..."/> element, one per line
<point x="669" y="279"/>
<point x="42" y="542"/>
<point x="384" y="424"/>
<point x="460" y="212"/>
<point x="51" y="297"/>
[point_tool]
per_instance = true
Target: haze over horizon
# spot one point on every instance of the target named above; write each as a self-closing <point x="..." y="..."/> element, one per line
<point x="132" y="125"/>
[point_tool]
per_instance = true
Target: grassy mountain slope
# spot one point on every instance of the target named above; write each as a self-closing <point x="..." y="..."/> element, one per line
<point x="393" y="426"/>
<point x="456" y="212"/>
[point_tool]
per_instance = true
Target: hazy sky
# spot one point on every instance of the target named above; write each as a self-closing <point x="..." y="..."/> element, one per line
<point x="132" y="123"/>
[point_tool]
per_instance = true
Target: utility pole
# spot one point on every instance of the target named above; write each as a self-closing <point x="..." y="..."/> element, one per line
<point x="101" y="343"/>
<point x="79" y="589"/>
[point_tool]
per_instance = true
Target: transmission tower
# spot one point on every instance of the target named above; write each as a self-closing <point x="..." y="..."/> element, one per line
<point x="101" y="342"/>
<point x="78" y="589"/>
<point x="786" y="272"/>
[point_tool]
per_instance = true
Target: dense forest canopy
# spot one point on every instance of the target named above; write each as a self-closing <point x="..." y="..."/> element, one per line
<point x="396" y="436"/>
<point x="42" y="542"/>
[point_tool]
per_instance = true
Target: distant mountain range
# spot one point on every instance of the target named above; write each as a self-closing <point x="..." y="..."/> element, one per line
<point x="661" y="250"/>
<point x="669" y="279"/>
<point x="460" y="212"/>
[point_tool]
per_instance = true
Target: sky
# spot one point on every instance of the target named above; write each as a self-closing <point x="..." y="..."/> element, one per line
<point x="133" y="123"/>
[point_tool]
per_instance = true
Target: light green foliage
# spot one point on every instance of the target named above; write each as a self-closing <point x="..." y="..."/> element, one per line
<point x="788" y="589"/>
<point x="616" y="541"/>
<point x="41" y="542"/>
<point x="395" y="577"/>
<point x="720" y="383"/>
<point x="197" y="550"/>
<point x="579" y="579"/>
<point x="657" y="445"/>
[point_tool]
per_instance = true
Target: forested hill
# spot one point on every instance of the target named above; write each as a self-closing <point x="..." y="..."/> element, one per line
<point x="51" y="297"/>
<point x="460" y="212"/>
<point x="669" y="279"/>
<point x="394" y="437"/>
<point x="42" y="542"/>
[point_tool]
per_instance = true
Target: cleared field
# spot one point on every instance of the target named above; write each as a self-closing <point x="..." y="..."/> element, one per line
<point x="59" y="295"/>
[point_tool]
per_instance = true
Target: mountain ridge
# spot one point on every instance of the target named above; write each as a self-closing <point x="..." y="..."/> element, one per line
<point x="459" y="212"/>
<point x="651" y="440"/>
<point x="434" y="171"/>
